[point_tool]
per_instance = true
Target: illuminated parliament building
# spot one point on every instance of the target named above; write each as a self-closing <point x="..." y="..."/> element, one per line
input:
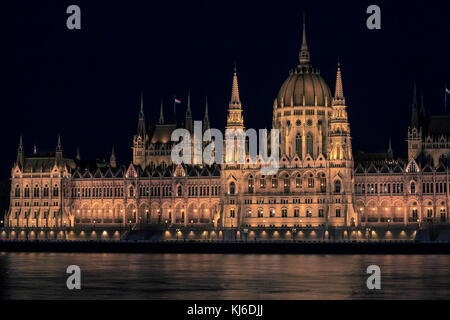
<point x="320" y="183"/>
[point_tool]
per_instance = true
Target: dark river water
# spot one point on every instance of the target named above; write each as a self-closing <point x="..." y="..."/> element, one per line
<point x="222" y="276"/>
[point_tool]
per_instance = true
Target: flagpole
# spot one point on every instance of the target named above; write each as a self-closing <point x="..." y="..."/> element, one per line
<point x="174" y="109"/>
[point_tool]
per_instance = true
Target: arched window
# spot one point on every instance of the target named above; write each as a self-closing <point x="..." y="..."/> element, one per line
<point x="323" y="183"/>
<point x="298" y="144"/>
<point x="284" y="212"/>
<point x="232" y="188"/>
<point x="309" y="144"/>
<point x="131" y="192"/>
<point x="337" y="186"/>
<point x="55" y="191"/>
<point x="251" y="184"/>
<point x="17" y="191"/>
<point x="26" y="192"/>
<point x="413" y="187"/>
<point x="180" y="191"/>
<point x="36" y="191"/>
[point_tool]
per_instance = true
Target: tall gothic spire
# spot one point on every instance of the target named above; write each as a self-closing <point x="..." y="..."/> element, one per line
<point x="141" y="121"/>
<point x="78" y="157"/>
<point x="20" y="152"/>
<point x="112" y="159"/>
<point x="235" y="119"/>
<point x="161" y="114"/>
<point x="422" y="105"/>
<point x="235" y="102"/>
<point x="189" y="113"/>
<point x="304" y="56"/>
<point x="339" y="98"/>
<point x="390" y="152"/>
<point x="414" y="112"/>
<point x="206" y="124"/>
<point x="59" y="149"/>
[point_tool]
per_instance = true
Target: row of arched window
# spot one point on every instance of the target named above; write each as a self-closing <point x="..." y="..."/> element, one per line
<point x="380" y="188"/>
<point x="36" y="191"/>
<point x="97" y="192"/>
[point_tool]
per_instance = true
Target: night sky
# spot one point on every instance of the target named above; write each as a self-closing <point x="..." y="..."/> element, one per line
<point x="86" y="83"/>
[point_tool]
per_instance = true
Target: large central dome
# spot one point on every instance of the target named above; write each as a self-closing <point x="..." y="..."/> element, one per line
<point x="304" y="86"/>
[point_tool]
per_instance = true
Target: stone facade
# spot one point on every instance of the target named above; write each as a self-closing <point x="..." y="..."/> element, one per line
<point x="319" y="183"/>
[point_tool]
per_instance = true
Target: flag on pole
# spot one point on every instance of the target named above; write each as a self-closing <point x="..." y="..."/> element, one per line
<point x="175" y="102"/>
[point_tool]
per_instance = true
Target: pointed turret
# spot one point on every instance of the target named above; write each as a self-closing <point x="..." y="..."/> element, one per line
<point x="304" y="56"/>
<point x="422" y="107"/>
<point x="206" y="124"/>
<point x="112" y="159"/>
<point x="78" y="157"/>
<point x="390" y="153"/>
<point x="339" y="98"/>
<point x="414" y="112"/>
<point x="59" y="150"/>
<point x="189" y="113"/>
<point x="235" y="101"/>
<point x="235" y="119"/>
<point x="161" y="114"/>
<point x="141" y="131"/>
<point x="20" y="153"/>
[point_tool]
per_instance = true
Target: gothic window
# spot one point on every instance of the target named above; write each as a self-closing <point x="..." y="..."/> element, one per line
<point x="251" y="184"/>
<point x="272" y="213"/>
<point x="262" y="183"/>
<point x="413" y="187"/>
<point x="338" y="212"/>
<point x="55" y="191"/>
<point x="321" y="213"/>
<point x="232" y="188"/>
<point x="323" y="183"/>
<point x="232" y="213"/>
<point x="308" y="213"/>
<point x="310" y="181"/>
<point x="180" y="191"/>
<point x="298" y="181"/>
<point x="296" y="213"/>
<point x="337" y="186"/>
<point x="414" y="214"/>
<point x="260" y="213"/>
<point x="274" y="182"/>
<point x="284" y="212"/>
<point x="131" y="192"/>
<point x="298" y="144"/>
<point x="26" y="192"/>
<point x="429" y="213"/>
<point x="17" y="191"/>
<point x="309" y="144"/>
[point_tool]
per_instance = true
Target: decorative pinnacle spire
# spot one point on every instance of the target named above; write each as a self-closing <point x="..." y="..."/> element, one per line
<point x="20" y="153"/>
<point x="59" y="146"/>
<point x="112" y="159"/>
<point x="161" y="114"/>
<point x="390" y="153"/>
<point x="339" y="98"/>
<point x="422" y="104"/>
<point x="304" y="53"/>
<point x="78" y="157"/>
<point x="189" y="113"/>
<point x="414" y="113"/>
<point x="20" y="149"/>
<point x="235" y="101"/>
<point x="414" y="104"/>
<point x="206" y="117"/>
<point x="188" y="110"/>
<point x="141" y="121"/>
